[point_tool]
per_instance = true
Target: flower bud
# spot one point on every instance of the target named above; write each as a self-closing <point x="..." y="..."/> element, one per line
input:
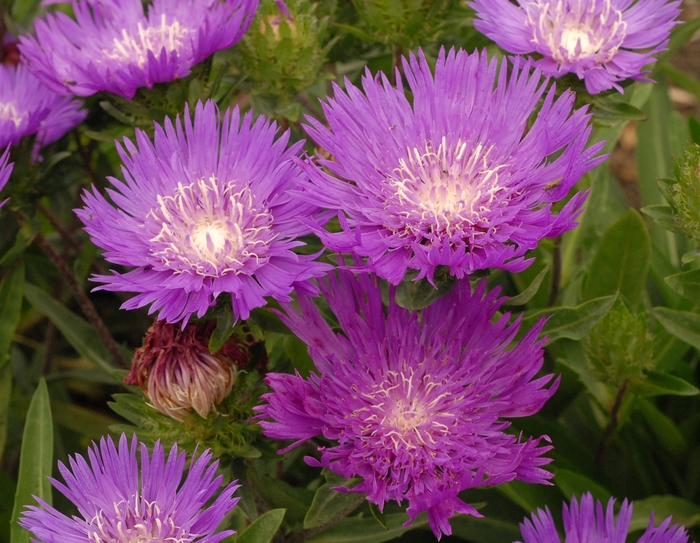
<point x="175" y="369"/>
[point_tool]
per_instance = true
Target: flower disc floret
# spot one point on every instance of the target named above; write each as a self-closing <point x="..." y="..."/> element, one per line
<point x="415" y="404"/>
<point x="205" y="210"/>
<point x="120" y="502"/>
<point x="27" y="107"/>
<point x="588" y="523"/>
<point x="117" y="47"/>
<point x="462" y="177"/>
<point x="603" y="42"/>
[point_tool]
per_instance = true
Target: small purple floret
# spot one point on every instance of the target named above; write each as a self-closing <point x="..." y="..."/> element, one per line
<point x="603" y="42"/>
<point x="204" y="210"/>
<point x="413" y="403"/>
<point x="462" y="177"/>
<point x="120" y="503"/>
<point x="5" y="171"/>
<point x="114" y="46"/>
<point x="27" y="107"/>
<point x="588" y="523"/>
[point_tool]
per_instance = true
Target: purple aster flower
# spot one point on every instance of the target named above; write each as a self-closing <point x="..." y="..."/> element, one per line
<point x="413" y="403"/>
<point x="603" y="42"/>
<point x="587" y="523"/>
<point x="462" y="177"/>
<point x="27" y="107"/>
<point x="204" y="210"/>
<point x="5" y="171"/>
<point x="121" y="504"/>
<point x="113" y="45"/>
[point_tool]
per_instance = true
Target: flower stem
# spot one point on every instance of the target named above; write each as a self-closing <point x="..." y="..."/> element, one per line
<point x="612" y="425"/>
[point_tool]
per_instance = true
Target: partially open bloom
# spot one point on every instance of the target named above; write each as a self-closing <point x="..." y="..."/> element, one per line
<point x="5" y="171"/>
<point x="120" y="503"/>
<point x="603" y="42"/>
<point x="204" y="210"/>
<point x="587" y="523"/>
<point x="413" y="403"/>
<point x="115" y="46"/>
<point x="177" y="372"/>
<point x="27" y="107"/>
<point x="462" y="177"/>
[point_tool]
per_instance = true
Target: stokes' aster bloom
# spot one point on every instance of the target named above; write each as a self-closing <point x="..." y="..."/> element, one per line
<point x="588" y="523"/>
<point x="415" y="403"/>
<point x="27" y="107"/>
<point x="175" y="369"/>
<point x="113" y="45"/>
<point x="5" y="171"/>
<point x="459" y="178"/>
<point x="603" y="42"/>
<point x="121" y="504"/>
<point x="204" y="211"/>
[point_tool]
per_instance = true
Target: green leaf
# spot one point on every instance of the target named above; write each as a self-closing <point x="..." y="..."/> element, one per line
<point x="5" y="392"/>
<point x="380" y="516"/>
<point x="529" y="497"/>
<point x="682" y="511"/>
<point x="663" y="427"/>
<point x="77" y="331"/>
<point x="687" y="284"/>
<point x="682" y="324"/>
<point x="224" y="328"/>
<point x="367" y="530"/>
<point x="25" y="236"/>
<point x="282" y="495"/>
<point x="661" y="215"/>
<point x="570" y="322"/>
<point x="622" y="260"/>
<point x="611" y="109"/>
<point x="11" y="294"/>
<point x="657" y="384"/>
<point x="36" y="459"/>
<point x="572" y="483"/>
<point x="485" y="530"/>
<point x="526" y="295"/>
<point x="329" y="504"/>
<point x="263" y="529"/>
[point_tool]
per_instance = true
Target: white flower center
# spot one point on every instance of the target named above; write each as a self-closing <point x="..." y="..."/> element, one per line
<point x="8" y="112"/>
<point x="436" y="193"/>
<point x="208" y="229"/>
<point x="136" y="521"/>
<point x="133" y="47"/>
<point x="571" y="30"/>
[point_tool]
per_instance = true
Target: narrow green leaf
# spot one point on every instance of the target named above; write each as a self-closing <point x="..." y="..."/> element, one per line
<point x="5" y="392"/>
<point x="682" y="511"/>
<point x="367" y="530"/>
<point x="657" y="384"/>
<point x="529" y="497"/>
<point x="77" y="331"/>
<point x="11" y="295"/>
<point x="224" y="328"/>
<point x="329" y="504"/>
<point x="526" y="295"/>
<point x="485" y="530"/>
<point x="663" y="427"/>
<point x="682" y="324"/>
<point x="622" y="260"/>
<point x="264" y="528"/>
<point x="36" y="459"/>
<point x="25" y="236"/>
<point x="572" y="483"/>
<point x="570" y="322"/>
<point x="687" y="284"/>
<point x="380" y="516"/>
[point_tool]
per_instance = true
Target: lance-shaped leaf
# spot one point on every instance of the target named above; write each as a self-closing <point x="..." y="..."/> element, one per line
<point x="570" y="322"/>
<point x="687" y="284"/>
<point x="11" y="294"/>
<point x="684" y="325"/>
<point x="622" y="260"/>
<point x="36" y="459"/>
<point x="368" y="530"/>
<point x="328" y="504"/>
<point x="263" y="529"/>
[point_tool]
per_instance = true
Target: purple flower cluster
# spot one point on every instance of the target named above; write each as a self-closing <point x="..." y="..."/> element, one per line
<point x="587" y="523"/>
<point x="113" y="45"/>
<point x="120" y="503"/>
<point x="462" y="177"/>
<point x="414" y="404"/>
<point x="603" y="42"/>
<point x="27" y="107"/>
<point x="204" y="210"/>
